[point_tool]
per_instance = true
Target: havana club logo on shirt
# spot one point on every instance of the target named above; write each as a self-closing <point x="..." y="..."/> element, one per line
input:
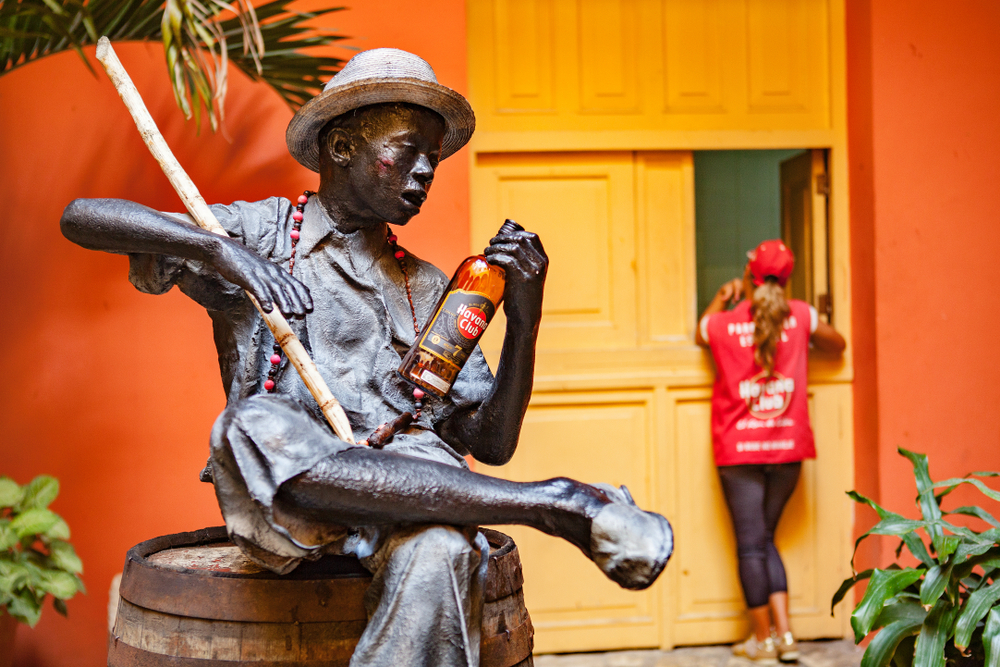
<point x="767" y="396"/>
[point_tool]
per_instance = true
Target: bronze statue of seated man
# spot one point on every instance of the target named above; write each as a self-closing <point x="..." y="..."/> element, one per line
<point x="290" y="489"/>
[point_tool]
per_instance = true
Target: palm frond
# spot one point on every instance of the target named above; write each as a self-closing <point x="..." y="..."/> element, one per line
<point x="270" y="43"/>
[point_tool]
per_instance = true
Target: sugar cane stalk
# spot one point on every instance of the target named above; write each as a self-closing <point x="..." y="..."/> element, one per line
<point x="203" y="216"/>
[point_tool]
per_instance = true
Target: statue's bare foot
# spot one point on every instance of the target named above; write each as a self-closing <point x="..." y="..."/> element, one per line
<point x="631" y="546"/>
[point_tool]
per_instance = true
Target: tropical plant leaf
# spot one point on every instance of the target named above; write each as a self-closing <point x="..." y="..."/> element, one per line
<point x="272" y="42"/>
<point x="13" y="576"/>
<point x="926" y="500"/>
<point x="951" y="488"/>
<point x="8" y="538"/>
<point x="903" y="657"/>
<point x="910" y="539"/>
<point x="902" y="610"/>
<point x="991" y="638"/>
<point x="946" y="545"/>
<point x="62" y="555"/>
<point x="978" y="512"/>
<point x="987" y="491"/>
<point x="975" y="608"/>
<point x="934" y="584"/>
<point x="60" y="606"/>
<point x="884" y="585"/>
<point x="918" y="548"/>
<point x="25" y="607"/>
<point x="964" y="567"/>
<point x="33" y="522"/>
<point x="883" y="646"/>
<point x="39" y="493"/>
<point x="62" y="585"/>
<point x="848" y="585"/>
<point x="59" y="531"/>
<point x="933" y="634"/>
<point x="10" y="492"/>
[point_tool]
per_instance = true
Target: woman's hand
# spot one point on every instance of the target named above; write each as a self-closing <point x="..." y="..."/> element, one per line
<point x="730" y="292"/>
<point x="269" y="283"/>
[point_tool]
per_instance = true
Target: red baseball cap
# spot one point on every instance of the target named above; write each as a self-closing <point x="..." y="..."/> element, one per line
<point x="771" y="258"/>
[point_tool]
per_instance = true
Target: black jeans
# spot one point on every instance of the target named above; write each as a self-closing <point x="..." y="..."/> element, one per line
<point x="756" y="495"/>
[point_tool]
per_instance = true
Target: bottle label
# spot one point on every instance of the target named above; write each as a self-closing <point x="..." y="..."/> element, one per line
<point x="458" y="326"/>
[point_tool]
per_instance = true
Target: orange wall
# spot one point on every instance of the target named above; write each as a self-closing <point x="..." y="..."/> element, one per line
<point x="925" y="154"/>
<point x="863" y="345"/>
<point x="113" y="391"/>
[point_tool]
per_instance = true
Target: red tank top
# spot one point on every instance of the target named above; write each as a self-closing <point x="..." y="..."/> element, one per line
<point x="759" y="419"/>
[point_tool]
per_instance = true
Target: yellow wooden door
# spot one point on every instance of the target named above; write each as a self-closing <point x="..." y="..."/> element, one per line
<point x="572" y="98"/>
<point x="618" y="229"/>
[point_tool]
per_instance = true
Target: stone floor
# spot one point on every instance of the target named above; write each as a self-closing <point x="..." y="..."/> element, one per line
<point x="834" y="653"/>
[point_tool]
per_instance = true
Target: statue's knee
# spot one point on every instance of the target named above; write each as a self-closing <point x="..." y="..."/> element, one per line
<point x="445" y="543"/>
<point x="255" y="418"/>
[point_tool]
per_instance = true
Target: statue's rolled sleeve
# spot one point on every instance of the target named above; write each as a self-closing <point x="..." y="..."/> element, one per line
<point x="472" y="386"/>
<point x="256" y="225"/>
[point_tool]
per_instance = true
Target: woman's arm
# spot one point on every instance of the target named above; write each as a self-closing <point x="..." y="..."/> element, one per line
<point x="826" y="339"/>
<point x="730" y="292"/>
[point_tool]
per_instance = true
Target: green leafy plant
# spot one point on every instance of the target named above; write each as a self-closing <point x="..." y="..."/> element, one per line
<point x="945" y="609"/>
<point x="35" y="559"/>
<point x="265" y="42"/>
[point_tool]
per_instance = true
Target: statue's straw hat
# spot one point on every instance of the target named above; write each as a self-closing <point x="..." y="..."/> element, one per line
<point x="375" y="77"/>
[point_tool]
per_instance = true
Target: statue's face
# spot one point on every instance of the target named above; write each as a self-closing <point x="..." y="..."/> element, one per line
<point x="393" y="161"/>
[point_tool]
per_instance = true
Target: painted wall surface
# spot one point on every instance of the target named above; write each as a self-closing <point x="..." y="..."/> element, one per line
<point x="925" y="152"/>
<point x="113" y="391"/>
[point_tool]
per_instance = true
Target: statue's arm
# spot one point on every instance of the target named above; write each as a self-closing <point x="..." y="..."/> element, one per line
<point x="125" y="227"/>
<point x="490" y="431"/>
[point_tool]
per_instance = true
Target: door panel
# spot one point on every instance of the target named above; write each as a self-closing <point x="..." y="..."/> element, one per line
<point x="594" y="437"/>
<point x="581" y="205"/>
<point x="523" y="41"/>
<point x="667" y="287"/>
<point x="609" y="72"/>
<point x="649" y="65"/>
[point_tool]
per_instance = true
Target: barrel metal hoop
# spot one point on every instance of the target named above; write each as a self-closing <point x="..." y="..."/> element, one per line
<point x="121" y="654"/>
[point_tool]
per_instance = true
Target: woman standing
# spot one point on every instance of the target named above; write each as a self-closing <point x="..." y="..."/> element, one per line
<point x="760" y="426"/>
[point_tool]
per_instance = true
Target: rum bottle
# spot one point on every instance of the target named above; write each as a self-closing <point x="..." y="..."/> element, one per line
<point x="468" y="304"/>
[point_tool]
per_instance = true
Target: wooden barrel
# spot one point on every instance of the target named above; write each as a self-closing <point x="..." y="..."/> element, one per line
<point x="194" y="600"/>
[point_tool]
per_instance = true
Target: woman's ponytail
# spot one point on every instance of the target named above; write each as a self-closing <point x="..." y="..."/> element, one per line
<point x="770" y="310"/>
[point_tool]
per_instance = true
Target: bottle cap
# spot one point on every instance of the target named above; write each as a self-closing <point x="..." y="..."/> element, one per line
<point x="509" y="227"/>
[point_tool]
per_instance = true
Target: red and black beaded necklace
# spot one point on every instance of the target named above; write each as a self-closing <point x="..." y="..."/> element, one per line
<point x="398" y="253"/>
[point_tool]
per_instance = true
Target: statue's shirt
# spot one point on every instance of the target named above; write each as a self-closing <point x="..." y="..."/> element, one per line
<point x="360" y="327"/>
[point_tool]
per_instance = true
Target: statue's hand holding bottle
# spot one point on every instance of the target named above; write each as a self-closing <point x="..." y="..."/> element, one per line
<point x="520" y="254"/>
<point x="513" y="267"/>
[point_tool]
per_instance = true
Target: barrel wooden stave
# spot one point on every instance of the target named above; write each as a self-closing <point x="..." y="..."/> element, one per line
<point x="507" y="634"/>
<point x="191" y="609"/>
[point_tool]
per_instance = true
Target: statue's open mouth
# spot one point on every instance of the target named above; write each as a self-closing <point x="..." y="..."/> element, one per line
<point x="416" y="198"/>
